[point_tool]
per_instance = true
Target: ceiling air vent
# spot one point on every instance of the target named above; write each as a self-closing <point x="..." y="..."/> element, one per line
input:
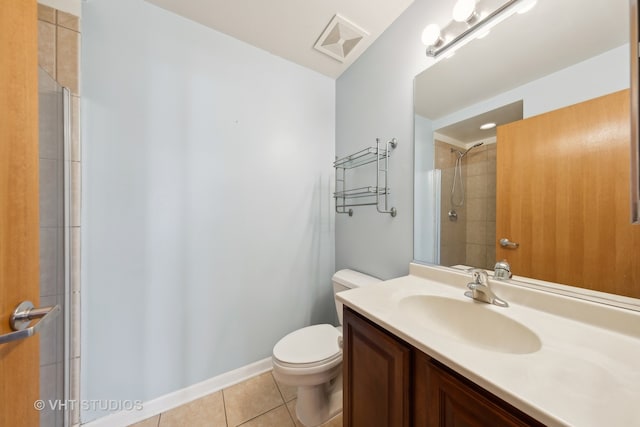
<point x="339" y="38"/>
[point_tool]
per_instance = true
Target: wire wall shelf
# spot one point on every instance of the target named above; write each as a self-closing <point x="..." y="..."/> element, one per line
<point x="377" y="195"/>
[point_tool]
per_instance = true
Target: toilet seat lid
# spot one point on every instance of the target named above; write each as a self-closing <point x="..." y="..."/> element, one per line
<point x="308" y="345"/>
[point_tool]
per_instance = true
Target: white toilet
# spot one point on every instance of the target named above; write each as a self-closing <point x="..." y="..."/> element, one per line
<point x="311" y="359"/>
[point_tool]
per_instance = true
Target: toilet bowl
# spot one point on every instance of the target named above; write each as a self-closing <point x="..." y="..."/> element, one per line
<point x="311" y="360"/>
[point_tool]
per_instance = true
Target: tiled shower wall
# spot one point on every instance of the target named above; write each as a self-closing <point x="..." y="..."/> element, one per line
<point x="58" y="55"/>
<point x="470" y="240"/>
<point x="480" y="198"/>
<point x="453" y="234"/>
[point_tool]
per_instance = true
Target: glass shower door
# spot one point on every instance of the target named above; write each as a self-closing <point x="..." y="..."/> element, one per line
<point x="54" y="125"/>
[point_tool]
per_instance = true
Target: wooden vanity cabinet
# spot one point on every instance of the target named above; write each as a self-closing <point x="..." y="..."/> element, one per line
<point x="376" y="374"/>
<point x="389" y="383"/>
<point x="441" y="397"/>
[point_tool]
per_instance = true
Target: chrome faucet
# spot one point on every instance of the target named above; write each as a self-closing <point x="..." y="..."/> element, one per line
<point x="480" y="290"/>
<point x="502" y="270"/>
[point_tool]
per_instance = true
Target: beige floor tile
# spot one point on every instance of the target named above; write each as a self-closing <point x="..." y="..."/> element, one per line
<point x="278" y="417"/>
<point x="149" y="422"/>
<point x="333" y="422"/>
<point x="207" y="411"/>
<point x="288" y="392"/>
<point x="251" y="398"/>
<point x="291" y="406"/>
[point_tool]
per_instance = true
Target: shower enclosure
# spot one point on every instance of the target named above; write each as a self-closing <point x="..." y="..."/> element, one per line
<point x="55" y="180"/>
<point x="467" y="204"/>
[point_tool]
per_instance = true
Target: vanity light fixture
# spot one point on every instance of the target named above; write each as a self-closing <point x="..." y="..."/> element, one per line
<point x="431" y="35"/>
<point x="465" y="11"/>
<point x="487" y="126"/>
<point x="470" y="17"/>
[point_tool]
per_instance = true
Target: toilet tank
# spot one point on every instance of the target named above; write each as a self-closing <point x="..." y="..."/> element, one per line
<point x="348" y="279"/>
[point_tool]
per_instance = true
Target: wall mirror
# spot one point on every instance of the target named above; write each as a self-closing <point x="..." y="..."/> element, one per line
<point x="552" y="179"/>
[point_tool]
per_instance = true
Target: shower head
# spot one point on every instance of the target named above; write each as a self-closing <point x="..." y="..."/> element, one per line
<point x="461" y="155"/>
<point x="457" y="176"/>
<point x="473" y="146"/>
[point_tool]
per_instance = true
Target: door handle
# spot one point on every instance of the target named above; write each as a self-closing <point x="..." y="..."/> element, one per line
<point x="22" y="316"/>
<point x="506" y="243"/>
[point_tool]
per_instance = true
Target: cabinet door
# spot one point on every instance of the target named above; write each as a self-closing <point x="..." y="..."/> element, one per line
<point x="443" y="399"/>
<point x="376" y="375"/>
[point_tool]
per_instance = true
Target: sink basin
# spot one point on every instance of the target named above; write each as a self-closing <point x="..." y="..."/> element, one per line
<point x="471" y="322"/>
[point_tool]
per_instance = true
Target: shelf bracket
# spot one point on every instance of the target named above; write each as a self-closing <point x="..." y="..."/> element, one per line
<point x="393" y="143"/>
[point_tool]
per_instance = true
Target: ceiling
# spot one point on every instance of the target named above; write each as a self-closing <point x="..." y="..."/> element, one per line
<point x="467" y="132"/>
<point x="291" y="28"/>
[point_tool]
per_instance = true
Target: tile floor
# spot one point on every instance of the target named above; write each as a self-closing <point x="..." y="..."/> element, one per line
<point x="257" y="402"/>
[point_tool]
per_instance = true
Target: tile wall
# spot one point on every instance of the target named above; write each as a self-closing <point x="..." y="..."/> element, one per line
<point x="52" y="243"/>
<point x="453" y="234"/>
<point x="58" y="55"/>
<point x="470" y="240"/>
<point x="480" y="198"/>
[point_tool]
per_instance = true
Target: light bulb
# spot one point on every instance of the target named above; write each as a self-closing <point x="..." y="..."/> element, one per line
<point x="464" y="10"/>
<point x="431" y="35"/>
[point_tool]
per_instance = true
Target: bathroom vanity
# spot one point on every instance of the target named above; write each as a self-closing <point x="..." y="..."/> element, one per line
<point x="389" y="382"/>
<point x="417" y="352"/>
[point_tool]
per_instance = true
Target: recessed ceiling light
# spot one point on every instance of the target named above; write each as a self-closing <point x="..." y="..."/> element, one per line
<point x="488" y="126"/>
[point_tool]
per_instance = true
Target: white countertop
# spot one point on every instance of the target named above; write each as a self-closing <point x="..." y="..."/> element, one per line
<point x="586" y="372"/>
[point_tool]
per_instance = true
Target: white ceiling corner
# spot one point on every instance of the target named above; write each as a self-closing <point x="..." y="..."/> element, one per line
<point x="325" y="36"/>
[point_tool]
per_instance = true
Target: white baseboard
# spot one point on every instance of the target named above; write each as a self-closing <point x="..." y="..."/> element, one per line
<point x="185" y="395"/>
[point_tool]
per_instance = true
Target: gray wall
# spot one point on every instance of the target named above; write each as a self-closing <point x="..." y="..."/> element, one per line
<point x="206" y="200"/>
<point x="374" y="98"/>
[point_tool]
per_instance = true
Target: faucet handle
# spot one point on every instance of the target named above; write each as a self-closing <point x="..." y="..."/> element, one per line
<point x="479" y="276"/>
<point x="480" y="290"/>
<point x="502" y="270"/>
